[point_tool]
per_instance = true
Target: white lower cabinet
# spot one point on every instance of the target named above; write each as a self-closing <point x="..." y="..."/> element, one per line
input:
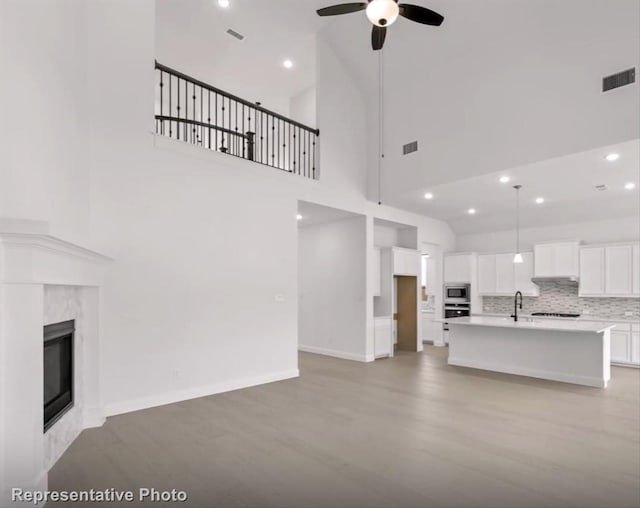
<point x="383" y="337"/>
<point x="431" y="331"/>
<point x="625" y="344"/>
<point x="635" y="348"/>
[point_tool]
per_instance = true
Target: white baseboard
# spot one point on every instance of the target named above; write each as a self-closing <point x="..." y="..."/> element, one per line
<point x="521" y="371"/>
<point x="195" y="393"/>
<point x="335" y="353"/>
<point x="92" y="418"/>
<point x="39" y="484"/>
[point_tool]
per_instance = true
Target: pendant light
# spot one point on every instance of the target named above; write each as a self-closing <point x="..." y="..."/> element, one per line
<point x="518" y="257"/>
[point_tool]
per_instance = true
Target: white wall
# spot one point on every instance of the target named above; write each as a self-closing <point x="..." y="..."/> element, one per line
<point x="332" y="288"/>
<point x="518" y="86"/>
<point x="616" y="230"/>
<point x="43" y="172"/>
<point x="385" y="236"/>
<point x="303" y="107"/>
<point x="202" y="296"/>
<point x="341" y="114"/>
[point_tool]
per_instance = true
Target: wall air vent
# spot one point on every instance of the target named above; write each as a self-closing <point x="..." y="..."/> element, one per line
<point x="601" y="187"/>
<point x="235" y="34"/>
<point x="620" y="79"/>
<point x="410" y="148"/>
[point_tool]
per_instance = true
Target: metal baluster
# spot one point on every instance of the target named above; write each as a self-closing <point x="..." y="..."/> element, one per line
<point x="194" y="138"/>
<point x="216" y="122"/>
<point x="314" y="156"/>
<point x="161" y="101"/>
<point x="170" y="104"/>
<point x="209" y="117"/>
<point x="186" y="110"/>
<point x="295" y="144"/>
<point x="273" y="141"/>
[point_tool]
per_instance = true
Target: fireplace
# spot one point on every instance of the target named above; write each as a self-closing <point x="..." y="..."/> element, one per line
<point x="58" y="371"/>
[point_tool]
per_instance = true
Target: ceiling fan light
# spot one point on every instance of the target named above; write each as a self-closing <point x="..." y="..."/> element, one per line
<point x="383" y="12"/>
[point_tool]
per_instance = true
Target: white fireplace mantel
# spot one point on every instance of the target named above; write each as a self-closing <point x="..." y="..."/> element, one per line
<point x="30" y="255"/>
<point x="30" y="259"/>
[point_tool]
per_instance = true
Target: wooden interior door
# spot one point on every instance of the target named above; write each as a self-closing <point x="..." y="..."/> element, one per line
<point x="407" y="315"/>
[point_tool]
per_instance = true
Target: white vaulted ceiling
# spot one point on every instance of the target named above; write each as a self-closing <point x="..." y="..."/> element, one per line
<point x="567" y="184"/>
<point x="191" y="37"/>
<point x="503" y="86"/>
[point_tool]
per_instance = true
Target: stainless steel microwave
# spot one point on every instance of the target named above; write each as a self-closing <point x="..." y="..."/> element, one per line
<point x="457" y="293"/>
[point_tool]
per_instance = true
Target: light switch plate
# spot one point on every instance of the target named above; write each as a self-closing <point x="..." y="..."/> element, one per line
<point x="280" y="298"/>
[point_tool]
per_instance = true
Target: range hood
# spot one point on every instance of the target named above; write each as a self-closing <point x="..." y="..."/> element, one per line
<point x="570" y="280"/>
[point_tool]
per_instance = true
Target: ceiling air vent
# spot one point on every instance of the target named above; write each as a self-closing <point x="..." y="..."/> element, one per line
<point x="410" y="148"/>
<point x="620" y="79"/>
<point x="235" y="34"/>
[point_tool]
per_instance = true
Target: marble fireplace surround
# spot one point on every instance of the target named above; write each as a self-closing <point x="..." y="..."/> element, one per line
<point x="34" y="265"/>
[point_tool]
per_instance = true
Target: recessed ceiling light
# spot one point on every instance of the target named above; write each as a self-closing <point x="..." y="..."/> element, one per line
<point x="287" y="64"/>
<point x="630" y="186"/>
<point x="428" y="195"/>
<point x="299" y="217"/>
<point x="224" y="3"/>
<point x="505" y="179"/>
<point x="539" y="200"/>
<point x="612" y="157"/>
<point x="471" y="211"/>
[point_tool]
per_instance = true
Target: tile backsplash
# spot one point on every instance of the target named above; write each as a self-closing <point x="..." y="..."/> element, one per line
<point x="561" y="297"/>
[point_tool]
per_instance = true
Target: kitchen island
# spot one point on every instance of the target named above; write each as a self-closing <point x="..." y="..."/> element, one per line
<point x="569" y="351"/>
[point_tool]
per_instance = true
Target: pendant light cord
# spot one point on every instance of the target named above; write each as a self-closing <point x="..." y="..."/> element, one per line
<point x="380" y="122"/>
<point x="517" y="187"/>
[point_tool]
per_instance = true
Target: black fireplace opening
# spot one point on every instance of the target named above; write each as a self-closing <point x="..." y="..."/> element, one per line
<point x="58" y="371"/>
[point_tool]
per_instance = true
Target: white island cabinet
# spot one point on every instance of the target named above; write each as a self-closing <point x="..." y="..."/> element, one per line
<point x="569" y="351"/>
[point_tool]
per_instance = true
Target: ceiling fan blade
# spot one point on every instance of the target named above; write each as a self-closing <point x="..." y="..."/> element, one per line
<point x="378" y="35"/>
<point x="335" y="10"/>
<point x="421" y="14"/>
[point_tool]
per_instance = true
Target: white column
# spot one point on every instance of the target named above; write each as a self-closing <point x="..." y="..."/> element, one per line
<point x="92" y="412"/>
<point x="21" y="392"/>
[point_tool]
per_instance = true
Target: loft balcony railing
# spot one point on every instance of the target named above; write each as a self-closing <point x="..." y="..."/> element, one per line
<point x="194" y="112"/>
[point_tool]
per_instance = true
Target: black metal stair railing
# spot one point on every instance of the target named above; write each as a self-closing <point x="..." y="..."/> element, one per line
<point x="192" y="111"/>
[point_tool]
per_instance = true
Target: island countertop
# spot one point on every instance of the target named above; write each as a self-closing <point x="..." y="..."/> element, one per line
<point x="532" y="324"/>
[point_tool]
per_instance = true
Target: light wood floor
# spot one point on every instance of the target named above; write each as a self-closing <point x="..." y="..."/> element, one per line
<point x="410" y="431"/>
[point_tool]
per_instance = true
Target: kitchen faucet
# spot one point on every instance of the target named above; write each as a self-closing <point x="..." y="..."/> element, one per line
<point x="515" y="306"/>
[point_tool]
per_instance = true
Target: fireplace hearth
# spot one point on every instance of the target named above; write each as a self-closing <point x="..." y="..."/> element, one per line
<point x="58" y="371"/>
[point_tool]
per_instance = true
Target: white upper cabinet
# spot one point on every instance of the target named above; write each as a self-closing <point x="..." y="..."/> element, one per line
<point x="459" y="267"/>
<point x="486" y="274"/>
<point x="557" y="259"/>
<point x="618" y="270"/>
<point x="610" y="270"/>
<point x="636" y="269"/>
<point x="544" y="260"/>
<point x="524" y="273"/>
<point x="505" y="274"/>
<point x="592" y="271"/>
<point x="406" y="262"/>
<point x="567" y="259"/>
<point x="499" y="275"/>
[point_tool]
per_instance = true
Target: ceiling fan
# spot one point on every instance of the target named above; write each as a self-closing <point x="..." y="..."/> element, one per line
<point x="382" y="13"/>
